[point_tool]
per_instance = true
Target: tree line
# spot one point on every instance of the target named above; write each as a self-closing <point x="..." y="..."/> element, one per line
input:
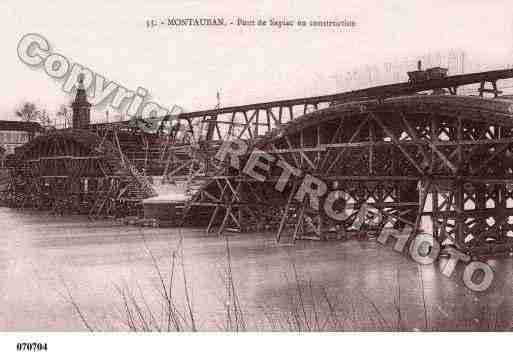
<point x="28" y="111"/>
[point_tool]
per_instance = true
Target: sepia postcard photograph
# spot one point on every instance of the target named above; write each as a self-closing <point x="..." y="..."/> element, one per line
<point x="229" y="175"/>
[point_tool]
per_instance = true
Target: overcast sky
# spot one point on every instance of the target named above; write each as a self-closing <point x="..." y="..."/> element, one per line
<point x="186" y="66"/>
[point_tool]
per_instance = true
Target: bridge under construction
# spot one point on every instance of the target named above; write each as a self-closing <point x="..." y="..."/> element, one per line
<point x="418" y="151"/>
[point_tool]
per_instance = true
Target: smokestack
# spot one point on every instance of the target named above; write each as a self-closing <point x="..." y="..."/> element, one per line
<point x="419" y="65"/>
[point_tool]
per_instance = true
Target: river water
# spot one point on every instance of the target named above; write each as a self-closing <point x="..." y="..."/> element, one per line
<point x="52" y="268"/>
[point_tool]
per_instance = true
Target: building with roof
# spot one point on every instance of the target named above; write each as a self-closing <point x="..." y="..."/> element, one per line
<point x="16" y="133"/>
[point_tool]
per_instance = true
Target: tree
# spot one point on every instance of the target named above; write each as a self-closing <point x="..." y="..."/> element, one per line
<point x="65" y="114"/>
<point x="43" y="117"/>
<point x="27" y="112"/>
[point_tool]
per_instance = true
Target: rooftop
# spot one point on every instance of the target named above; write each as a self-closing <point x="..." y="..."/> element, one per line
<point x="20" y="126"/>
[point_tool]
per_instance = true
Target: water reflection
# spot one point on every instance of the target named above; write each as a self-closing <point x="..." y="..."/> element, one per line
<point x="354" y="285"/>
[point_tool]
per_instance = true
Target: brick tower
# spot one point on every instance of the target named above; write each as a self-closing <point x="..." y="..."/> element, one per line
<point x="81" y="107"/>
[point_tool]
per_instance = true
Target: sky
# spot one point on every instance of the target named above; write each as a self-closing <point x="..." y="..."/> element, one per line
<point x="187" y="66"/>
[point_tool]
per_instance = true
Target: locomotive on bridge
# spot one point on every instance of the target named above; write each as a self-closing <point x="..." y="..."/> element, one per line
<point x="433" y="73"/>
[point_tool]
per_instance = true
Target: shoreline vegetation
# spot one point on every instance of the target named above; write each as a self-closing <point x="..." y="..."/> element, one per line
<point x="312" y="308"/>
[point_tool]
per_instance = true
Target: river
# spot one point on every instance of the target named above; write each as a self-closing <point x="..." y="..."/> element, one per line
<point x="52" y="268"/>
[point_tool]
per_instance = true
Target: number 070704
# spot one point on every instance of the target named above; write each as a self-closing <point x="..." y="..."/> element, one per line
<point x="31" y="346"/>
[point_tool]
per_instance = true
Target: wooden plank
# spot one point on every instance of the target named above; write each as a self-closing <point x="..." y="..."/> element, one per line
<point x="444" y="159"/>
<point x="285" y="215"/>
<point x="397" y="142"/>
<point x="353" y="137"/>
<point x="372" y="92"/>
